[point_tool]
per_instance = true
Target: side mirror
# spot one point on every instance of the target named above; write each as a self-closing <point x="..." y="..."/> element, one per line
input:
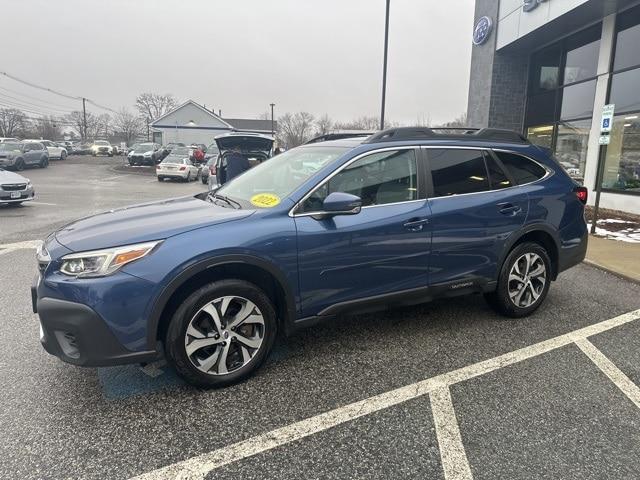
<point x="340" y="203"/>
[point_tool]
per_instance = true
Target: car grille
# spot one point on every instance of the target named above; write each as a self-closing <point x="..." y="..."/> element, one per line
<point x="137" y="157"/>
<point x="103" y="149"/>
<point x="14" y="187"/>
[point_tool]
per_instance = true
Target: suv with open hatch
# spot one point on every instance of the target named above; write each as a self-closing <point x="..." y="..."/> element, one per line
<point x="348" y="226"/>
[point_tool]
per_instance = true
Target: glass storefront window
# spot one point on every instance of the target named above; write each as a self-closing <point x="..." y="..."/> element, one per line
<point x="571" y="147"/>
<point x="577" y="100"/>
<point x="625" y="91"/>
<point x="582" y="62"/>
<point x="542" y="135"/>
<point x="622" y="162"/>
<point x="628" y="39"/>
<point x="541" y="109"/>
<point x="545" y="69"/>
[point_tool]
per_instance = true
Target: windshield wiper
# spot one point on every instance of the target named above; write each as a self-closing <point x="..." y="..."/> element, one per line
<point x="227" y="200"/>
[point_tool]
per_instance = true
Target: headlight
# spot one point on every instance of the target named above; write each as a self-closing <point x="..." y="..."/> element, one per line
<point x="99" y="263"/>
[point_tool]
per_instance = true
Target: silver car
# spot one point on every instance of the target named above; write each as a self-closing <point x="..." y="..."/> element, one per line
<point x="19" y="155"/>
<point x="14" y="188"/>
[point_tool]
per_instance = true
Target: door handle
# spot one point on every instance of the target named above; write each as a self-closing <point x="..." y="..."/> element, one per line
<point x="416" y="224"/>
<point x="509" y="208"/>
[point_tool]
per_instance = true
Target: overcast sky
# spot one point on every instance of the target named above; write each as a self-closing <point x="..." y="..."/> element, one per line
<point x="321" y="56"/>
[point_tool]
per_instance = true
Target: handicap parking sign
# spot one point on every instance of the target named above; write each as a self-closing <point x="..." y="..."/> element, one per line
<point x="607" y="119"/>
<point x="606" y="122"/>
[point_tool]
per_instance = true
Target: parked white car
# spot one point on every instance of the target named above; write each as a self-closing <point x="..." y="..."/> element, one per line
<point x="56" y="152"/>
<point x="178" y="165"/>
<point x="101" y="147"/>
<point x="14" y="188"/>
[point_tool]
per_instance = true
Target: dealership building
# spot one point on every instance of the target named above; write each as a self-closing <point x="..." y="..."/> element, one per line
<point x="547" y="68"/>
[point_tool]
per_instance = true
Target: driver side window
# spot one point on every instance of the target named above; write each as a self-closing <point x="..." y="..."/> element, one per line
<point x="378" y="179"/>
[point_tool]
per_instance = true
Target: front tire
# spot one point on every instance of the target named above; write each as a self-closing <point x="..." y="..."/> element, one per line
<point x="19" y="165"/>
<point x="221" y="334"/>
<point x="524" y="281"/>
<point x="63" y="156"/>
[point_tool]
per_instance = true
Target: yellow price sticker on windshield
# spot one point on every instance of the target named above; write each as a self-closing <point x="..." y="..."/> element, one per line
<point x="265" y="200"/>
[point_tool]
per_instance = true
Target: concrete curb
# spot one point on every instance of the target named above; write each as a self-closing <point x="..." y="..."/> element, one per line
<point x="611" y="271"/>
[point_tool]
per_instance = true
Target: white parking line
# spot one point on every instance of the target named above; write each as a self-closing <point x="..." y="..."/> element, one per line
<point x="10" y="247"/>
<point x="199" y="466"/>
<point x="43" y="203"/>
<point x="452" y="454"/>
<point x="616" y="375"/>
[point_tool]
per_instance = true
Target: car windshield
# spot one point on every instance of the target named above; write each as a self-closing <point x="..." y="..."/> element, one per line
<point x="279" y="176"/>
<point x="142" y="147"/>
<point x="8" y="147"/>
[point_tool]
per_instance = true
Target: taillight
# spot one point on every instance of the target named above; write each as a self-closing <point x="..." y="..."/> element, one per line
<point x="182" y="168"/>
<point x="157" y="167"/>
<point x="582" y="193"/>
<point x="213" y="169"/>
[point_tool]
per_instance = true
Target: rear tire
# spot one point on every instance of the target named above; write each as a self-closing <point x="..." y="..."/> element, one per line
<point x="227" y="356"/>
<point x="19" y="165"/>
<point x="63" y="156"/>
<point x="44" y="163"/>
<point x="161" y="179"/>
<point x="523" y="282"/>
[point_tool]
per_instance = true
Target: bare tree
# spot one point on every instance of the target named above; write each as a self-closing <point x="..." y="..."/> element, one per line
<point x="104" y="126"/>
<point x="362" y="123"/>
<point x="323" y="125"/>
<point x="154" y="105"/>
<point x="88" y="131"/>
<point x="12" y="121"/>
<point x="129" y="125"/>
<point x="459" y="121"/>
<point x="47" y="128"/>
<point x="295" y="129"/>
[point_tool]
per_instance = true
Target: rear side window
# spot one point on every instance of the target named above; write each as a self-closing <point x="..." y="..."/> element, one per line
<point x="521" y="168"/>
<point x="497" y="177"/>
<point x="457" y="171"/>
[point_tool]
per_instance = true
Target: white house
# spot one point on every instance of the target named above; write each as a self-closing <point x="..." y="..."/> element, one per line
<point x="192" y="123"/>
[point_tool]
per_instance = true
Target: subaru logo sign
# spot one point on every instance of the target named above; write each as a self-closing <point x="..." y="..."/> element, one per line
<point x="529" y="5"/>
<point x="482" y="31"/>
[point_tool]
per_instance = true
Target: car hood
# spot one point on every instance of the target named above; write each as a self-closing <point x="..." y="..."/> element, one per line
<point x="143" y="223"/>
<point x="246" y="143"/>
<point x="10" y="177"/>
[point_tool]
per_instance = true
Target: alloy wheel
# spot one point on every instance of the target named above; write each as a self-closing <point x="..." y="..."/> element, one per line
<point x="527" y="279"/>
<point x="224" y="335"/>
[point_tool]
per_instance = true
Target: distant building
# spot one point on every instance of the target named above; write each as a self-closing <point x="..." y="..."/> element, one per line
<point x="547" y="68"/>
<point x="192" y="123"/>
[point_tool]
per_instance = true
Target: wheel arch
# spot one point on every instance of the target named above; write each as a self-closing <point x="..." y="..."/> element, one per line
<point x="256" y="270"/>
<point x="542" y="235"/>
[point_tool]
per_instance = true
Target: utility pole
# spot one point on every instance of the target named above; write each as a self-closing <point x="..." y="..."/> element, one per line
<point x="384" y="66"/>
<point x="148" y="122"/>
<point x="273" y="130"/>
<point x="84" y="118"/>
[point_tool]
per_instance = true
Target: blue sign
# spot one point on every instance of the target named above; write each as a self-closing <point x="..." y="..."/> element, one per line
<point x="482" y="31"/>
<point x="606" y="122"/>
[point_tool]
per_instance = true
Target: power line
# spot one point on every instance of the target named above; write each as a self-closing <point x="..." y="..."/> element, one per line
<point x="31" y="104"/>
<point x="40" y="100"/>
<point x="55" y="92"/>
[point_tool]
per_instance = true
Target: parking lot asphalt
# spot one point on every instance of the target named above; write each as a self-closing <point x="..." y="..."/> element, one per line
<point x="552" y="414"/>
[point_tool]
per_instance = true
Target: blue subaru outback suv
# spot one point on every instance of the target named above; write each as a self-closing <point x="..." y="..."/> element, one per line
<point x="330" y="228"/>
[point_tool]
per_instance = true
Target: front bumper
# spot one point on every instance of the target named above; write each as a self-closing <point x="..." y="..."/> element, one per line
<point x="7" y="162"/>
<point x="10" y="196"/>
<point x="76" y="334"/>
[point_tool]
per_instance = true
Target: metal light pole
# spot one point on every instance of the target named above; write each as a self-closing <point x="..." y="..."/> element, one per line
<point x="384" y="66"/>
<point x="273" y="130"/>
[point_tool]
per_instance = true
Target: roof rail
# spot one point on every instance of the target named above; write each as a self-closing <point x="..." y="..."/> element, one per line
<point x="446" y="133"/>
